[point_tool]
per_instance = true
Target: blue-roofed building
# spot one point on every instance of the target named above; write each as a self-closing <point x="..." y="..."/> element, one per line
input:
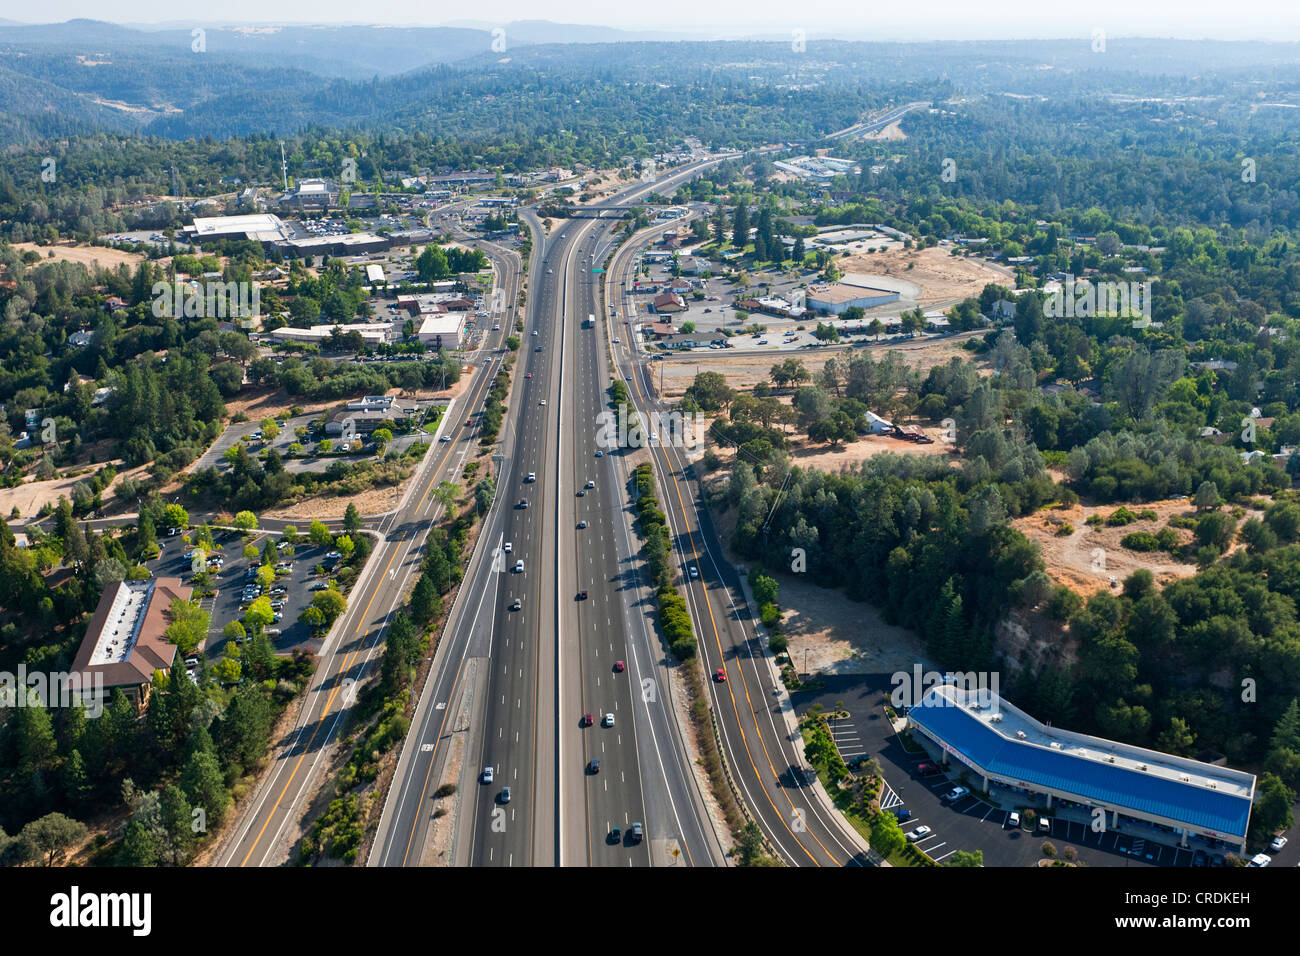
<point x="1003" y="745"/>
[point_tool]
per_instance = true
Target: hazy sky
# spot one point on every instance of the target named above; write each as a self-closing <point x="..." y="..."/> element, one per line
<point x="851" y="19"/>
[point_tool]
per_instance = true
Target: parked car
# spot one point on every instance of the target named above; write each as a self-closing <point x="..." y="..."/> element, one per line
<point x="1277" y="844"/>
<point x="926" y="769"/>
<point x="1260" y="859"/>
<point x="955" y="794"/>
<point x="900" y="815"/>
<point x="919" y="834"/>
<point x="1013" y="819"/>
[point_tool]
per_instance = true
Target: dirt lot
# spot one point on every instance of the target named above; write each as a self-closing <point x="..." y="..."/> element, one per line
<point x="942" y="277"/>
<point x="259" y="403"/>
<point x="746" y="371"/>
<point x="86" y="255"/>
<point x="840" y="636"/>
<point x="1087" y="558"/>
<point x="892" y="131"/>
<point x="31" y="496"/>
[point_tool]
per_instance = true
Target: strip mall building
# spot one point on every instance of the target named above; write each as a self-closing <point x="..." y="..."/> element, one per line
<point x="1003" y="745"/>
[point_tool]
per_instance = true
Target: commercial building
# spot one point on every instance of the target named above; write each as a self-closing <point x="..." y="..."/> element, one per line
<point x="257" y="227"/>
<point x="318" y="334"/>
<point x="125" y="641"/>
<point x="311" y="195"/>
<point x="445" y="330"/>
<point x="836" y="297"/>
<point x="347" y="244"/>
<point x="1000" y="744"/>
<point x="669" y="302"/>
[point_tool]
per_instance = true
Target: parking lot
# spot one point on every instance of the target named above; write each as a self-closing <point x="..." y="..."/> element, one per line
<point x="228" y="582"/>
<point x="234" y="433"/>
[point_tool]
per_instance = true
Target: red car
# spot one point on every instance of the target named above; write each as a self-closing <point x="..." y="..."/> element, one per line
<point x="618" y="667"/>
<point x="529" y="375"/>
<point x="469" y="421"/>
<point x="586" y="720"/>
<point x="720" y="676"/>
<point x="926" y="769"/>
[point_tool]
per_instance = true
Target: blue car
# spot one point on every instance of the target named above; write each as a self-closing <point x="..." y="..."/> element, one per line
<point x="903" y="815"/>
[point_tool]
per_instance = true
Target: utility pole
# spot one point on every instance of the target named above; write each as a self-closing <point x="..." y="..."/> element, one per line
<point x="284" y="167"/>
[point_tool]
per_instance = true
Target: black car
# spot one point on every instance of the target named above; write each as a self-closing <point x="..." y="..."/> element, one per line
<point x="1201" y="858"/>
<point x="594" y="765"/>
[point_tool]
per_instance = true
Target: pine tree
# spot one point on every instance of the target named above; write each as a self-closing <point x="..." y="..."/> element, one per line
<point x="740" y="226"/>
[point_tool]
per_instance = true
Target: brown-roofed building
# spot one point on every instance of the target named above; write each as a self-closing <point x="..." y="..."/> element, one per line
<point x="669" y="302"/>
<point x="125" y="642"/>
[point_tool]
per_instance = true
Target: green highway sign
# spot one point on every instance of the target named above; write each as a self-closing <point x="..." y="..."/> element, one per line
<point x="597" y="271"/>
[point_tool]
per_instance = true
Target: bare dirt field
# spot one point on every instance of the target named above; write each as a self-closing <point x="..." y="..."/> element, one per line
<point x="31" y="496"/>
<point x="257" y="403"/>
<point x="839" y="636"/>
<point x="746" y="371"/>
<point x="86" y="255"/>
<point x="892" y="131"/>
<point x="941" y="276"/>
<point x="1087" y="558"/>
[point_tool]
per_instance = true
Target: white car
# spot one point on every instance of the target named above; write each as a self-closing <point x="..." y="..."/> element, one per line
<point x="609" y="720"/>
<point x="920" y="833"/>
<point x="1277" y="844"/>
<point x="1261" y="859"/>
<point x="508" y="547"/>
<point x="542" y="402"/>
<point x="519" y="566"/>
<point x="1013" y="819"/>
<point x="487" y="774"/>
<point x="956" y="793"/>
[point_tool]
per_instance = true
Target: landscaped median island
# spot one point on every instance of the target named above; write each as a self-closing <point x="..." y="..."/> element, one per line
<point x="675" y="627"/>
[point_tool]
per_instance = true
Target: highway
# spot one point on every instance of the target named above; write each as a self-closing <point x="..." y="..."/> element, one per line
<point x="510" y="686"/>
<point x="764" y="753"/>
<point x="265" y="825"/>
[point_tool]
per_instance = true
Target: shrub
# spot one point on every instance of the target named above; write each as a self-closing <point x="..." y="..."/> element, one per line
<point x="1120" y="517"/>
<point x="1141" y="541"/>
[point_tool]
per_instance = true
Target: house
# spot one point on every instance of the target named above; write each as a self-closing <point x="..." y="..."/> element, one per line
<point x="115" y="304"/>
<point x="669" y="302"/>
<point x="877" y="425"/>
<point x="79" y="340"/>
